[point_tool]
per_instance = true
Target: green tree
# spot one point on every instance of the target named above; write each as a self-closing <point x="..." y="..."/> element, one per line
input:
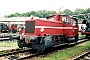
<point x="44" y="13"/>
<point x="79" y="11"/>
<point x="51" y="13"/>
<point x="68" y="12"/>
<point x="60" y="12"/>
<point x="32" y="13"/>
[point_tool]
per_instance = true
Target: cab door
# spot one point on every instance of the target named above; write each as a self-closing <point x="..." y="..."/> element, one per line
<point x="67" y="25"/>
<point x="74" y="27"/>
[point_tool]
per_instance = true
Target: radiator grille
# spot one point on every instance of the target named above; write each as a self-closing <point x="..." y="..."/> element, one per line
<point x="30" y="27"/>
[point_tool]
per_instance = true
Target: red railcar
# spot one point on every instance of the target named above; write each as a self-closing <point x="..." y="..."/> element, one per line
<point x="55" y="30"/>
<point x="13" y="28"/>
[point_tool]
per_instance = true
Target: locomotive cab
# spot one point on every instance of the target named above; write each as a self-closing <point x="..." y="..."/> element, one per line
<point x="71" y="28"/>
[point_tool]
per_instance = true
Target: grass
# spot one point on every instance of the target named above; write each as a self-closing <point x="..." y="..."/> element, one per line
<point x="8" y="44"/>
<point x="68" y="53"/>
<point x="4" y="51"/>
<point x="80" y="35"/>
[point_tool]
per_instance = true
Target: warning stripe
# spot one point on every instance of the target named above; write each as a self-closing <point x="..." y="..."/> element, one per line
<point x="55" y="27"/>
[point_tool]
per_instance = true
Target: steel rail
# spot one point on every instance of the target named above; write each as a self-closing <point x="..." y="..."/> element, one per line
<point x="82" y="55"/>
<point x="37" y="54"/>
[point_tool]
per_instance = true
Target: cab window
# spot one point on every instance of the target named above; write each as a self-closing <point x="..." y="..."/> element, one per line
<point x="73" y="22"/>
<point x="66" y="20"/>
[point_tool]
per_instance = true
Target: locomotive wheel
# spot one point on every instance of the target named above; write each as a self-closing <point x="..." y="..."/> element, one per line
<point x="20" y="44"/>
<point x="76" y="38"/>
<point x="40" y="49"/>
<point x="86" y="36"/>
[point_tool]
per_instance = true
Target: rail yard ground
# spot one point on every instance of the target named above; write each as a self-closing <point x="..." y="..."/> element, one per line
<point x="69" y="53"/>
<point x="65" y="54"/>
<point x="80" y="35"/>
<point x="8" y="45"/>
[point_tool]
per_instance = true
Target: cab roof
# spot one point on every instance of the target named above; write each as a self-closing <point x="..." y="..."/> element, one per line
<point x="62" y="15"/>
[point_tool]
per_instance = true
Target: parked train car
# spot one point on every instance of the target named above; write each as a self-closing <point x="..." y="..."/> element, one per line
<point x="14" y="22"/>
<point x="81" y="27"/>
<point x="16" y="27"/>
<point x="4" y="28"/>
<point x="40" y="33"/>
<point x="87" y="30"/>
<point x="13" y="28"/>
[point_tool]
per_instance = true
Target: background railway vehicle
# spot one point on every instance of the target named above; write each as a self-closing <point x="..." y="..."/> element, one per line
<point x="87" y="30"/>
<point x="14" y="22"/>
<point x="16" y="27"/>
<point x="43" y="33"/>
<point x="81" y="27"/>
<point x="87" y="23"/>
<point x="4" y="28"/>
<point x="21" y="30"/>
<point x="13" y="28"/>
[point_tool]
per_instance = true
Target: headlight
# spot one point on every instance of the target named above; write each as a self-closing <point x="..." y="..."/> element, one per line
<point x="27" y="40"/>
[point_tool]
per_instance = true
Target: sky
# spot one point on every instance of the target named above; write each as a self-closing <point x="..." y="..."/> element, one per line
<point x="8" y="7"/>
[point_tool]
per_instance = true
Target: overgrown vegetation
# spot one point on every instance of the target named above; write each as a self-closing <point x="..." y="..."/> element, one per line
<point x="68" y="53"/>
<point x="80" y="35"/>
<point x="8" y="45"/>
<point x="4" y="51"/>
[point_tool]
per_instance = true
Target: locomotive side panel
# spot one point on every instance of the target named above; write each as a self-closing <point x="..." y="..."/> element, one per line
<point x="45" y="27"/>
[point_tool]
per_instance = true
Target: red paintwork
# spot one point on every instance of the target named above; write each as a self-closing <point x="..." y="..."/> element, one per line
<point x="52" y="30"/>
<point x="72" y="30"/>
<point x="87" y="33"/>
<point x="55" y="27"/>
<point x="13" y="28"/>
<point x="20" y="32"/>
<point x="81" y="30"/>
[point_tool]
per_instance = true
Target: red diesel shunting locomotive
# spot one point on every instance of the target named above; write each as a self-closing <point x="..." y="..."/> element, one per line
<point x="55" y="30"/>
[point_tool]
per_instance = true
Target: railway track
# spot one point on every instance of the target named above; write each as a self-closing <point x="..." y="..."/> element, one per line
<point x="7" y="40"/>
<point x="84" y="56"/>
<point x="9" y="50"/>
<point x="27" y="53"/>
<point x="2" y="35"/>
<point x="17" y="54"/>
<point x="54" y="49"/>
